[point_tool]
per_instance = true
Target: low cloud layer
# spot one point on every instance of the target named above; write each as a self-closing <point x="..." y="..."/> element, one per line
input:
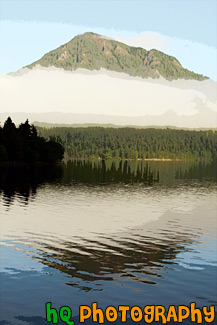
<point x="107" y="97"/>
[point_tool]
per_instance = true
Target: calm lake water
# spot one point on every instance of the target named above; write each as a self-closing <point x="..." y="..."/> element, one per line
<point x="114" y="233"/>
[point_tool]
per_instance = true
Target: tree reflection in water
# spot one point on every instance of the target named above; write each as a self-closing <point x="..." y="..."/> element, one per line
<point x="23" y="181"/>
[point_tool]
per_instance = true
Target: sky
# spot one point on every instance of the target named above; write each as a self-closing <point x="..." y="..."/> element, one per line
<point x="183" y="28"/>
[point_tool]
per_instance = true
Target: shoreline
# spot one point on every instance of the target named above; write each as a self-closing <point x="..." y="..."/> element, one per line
<point x="139" y="159"/>
<point x="65" y="160"/>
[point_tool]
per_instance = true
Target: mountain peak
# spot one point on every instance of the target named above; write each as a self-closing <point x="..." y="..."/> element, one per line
<point x="93" y="51"/>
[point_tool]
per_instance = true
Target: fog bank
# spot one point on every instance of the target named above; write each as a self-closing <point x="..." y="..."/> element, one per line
<point x="84" y="96"/>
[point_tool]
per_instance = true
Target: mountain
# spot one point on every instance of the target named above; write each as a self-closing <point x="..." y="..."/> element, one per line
<point x="93" y="52"/>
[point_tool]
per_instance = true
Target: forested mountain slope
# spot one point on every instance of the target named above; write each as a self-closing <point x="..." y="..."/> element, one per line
<point x="92" y="51"/>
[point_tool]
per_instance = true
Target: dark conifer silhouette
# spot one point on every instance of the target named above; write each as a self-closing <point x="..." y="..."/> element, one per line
<point x="23" y="144"/>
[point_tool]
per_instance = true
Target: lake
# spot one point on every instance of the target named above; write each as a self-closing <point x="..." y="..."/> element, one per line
<point x="116" y="233"/>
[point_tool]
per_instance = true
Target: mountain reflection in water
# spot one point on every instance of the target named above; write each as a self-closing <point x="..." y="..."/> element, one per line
<point x="114" y="232"/>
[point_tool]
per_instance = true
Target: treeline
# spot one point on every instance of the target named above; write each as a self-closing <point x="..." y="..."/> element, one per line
<point x="131" y="143"/>
<point x="23" y="144"/>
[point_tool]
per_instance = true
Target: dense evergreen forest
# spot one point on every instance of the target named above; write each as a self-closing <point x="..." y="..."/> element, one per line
<point x="23" y="144"/>
<point x="131" y="143"/>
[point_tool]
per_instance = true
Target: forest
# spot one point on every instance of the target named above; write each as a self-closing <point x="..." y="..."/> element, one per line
<point x="22" y="144"/>
<point x="132" y="143"/>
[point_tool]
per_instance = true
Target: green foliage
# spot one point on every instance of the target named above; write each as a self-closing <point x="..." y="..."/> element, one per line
<point x="23" y="144"/>
<point x="130" y="143"/>
<point x="92" y="51"/>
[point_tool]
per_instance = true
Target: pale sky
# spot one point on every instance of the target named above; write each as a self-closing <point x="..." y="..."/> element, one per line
<point x="185" y="28"/>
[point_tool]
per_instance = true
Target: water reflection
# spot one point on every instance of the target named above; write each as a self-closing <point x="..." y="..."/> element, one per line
<point x="199" y="171"/>
<point x="107" y="172"/>
<point x="138" y="258"/>
<point x="115" y="232"/>
<point x="23" y="181"/>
